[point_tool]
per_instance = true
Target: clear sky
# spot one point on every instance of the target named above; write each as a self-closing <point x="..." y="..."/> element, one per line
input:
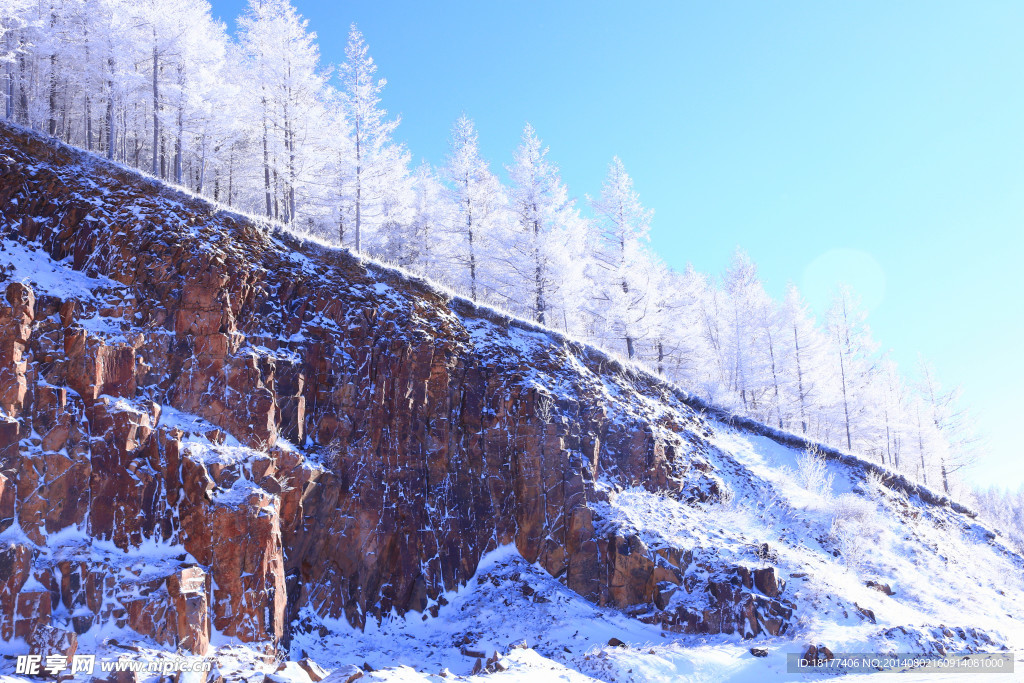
<point x="881" y="142"/>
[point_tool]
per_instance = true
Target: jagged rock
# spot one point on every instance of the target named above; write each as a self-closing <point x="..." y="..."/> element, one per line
<point x="818" y="653"/>
<point x="767" y="583"/>
<point x="880" y="587"/>
<point x="315" y="671"/>
<point x="866" y="613"/>
<point x="15" y="330"/>
<point x="48" y="640"/>
<point x="345" y="674"/>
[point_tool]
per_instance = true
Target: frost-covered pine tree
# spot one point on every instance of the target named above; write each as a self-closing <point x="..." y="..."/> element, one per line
<point x="853" y="365"/>
<point x="744" y="315"/>
<point x="622" y="272"/>
<point x="544" y="216"/>
<point x="427" y="247"/>
<point x="378" y="184"/>
<point x="953" y="437"/>
<point x="15" y="18"/>
<point x="287" y="96"/>
<point x="478" y="205"/>
<point x="675" y="349"/>
<point x="802" y="347"/>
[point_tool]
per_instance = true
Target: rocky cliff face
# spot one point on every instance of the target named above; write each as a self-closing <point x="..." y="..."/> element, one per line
<point x="211" y="427"/>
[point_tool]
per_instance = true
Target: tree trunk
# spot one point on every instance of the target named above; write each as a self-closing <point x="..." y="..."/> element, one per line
<point x="888" y="450"/>
<point x="110" y="111"/>
<point x="266" y="163"/>
<point x="290" y="143"/>
<point x="276" y="207"/>
<point x="178" y="142"/>
<point x="538" y="271"/>
<point x="177" y="148"/>
<point x="775" y="380"/>
<point x="920" y="448"/>
<point x="359" y="189"/>
<point x="156" y="108"/>
<point x="24" y="94"/>
<point x="846" y="403"/>
<point x="469" y="235"/>
<point x="9" y="99"/>
<point x="52" y="127"/>
<point x="201" y="184"/>
<point x="88" y="124"/>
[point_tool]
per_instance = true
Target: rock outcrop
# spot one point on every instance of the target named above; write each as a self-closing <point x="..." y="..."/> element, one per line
<point x="207" y="423"/>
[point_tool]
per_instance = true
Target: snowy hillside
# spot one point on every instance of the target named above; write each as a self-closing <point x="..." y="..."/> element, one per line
<point x="223" y="442"/>
<point x="954" y="587"/>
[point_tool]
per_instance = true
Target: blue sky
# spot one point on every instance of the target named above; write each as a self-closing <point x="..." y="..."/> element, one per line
<point x="882" y="142"/>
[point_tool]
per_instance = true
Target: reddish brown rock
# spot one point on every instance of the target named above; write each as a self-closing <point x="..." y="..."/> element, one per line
<point x="237" y="534"/>
<point x="766" y="582"/>
<point x="48" y="640"/>
<point x="15" y="330"/>
<point x="15" y="571"/>
<point x="96" y="368"/>
<point x="189" y="590"/>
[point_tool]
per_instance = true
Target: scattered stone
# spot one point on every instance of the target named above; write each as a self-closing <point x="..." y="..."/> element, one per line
<point x="345" y="674"/>
<point x="866" y="613"/>
<point x="880" y="587"/>
<point x="315" y="671"/>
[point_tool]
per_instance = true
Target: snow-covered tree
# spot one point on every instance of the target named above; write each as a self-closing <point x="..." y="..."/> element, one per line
<point x="545" y="216"/>
<point x="622" y="272"/>
<point x="478" y="205"/>
<point x="802" y="362"/>
<point x="954" y="440"/>
<point x="745" y="316"/>
<point x="377" y="173"/>
<point x="853" y="350"/>
<point x="287" y="105"/>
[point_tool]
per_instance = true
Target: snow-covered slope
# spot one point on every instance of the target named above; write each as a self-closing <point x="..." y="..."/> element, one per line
<point x="955" y="588"/>
<point x="351" y="467"/>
